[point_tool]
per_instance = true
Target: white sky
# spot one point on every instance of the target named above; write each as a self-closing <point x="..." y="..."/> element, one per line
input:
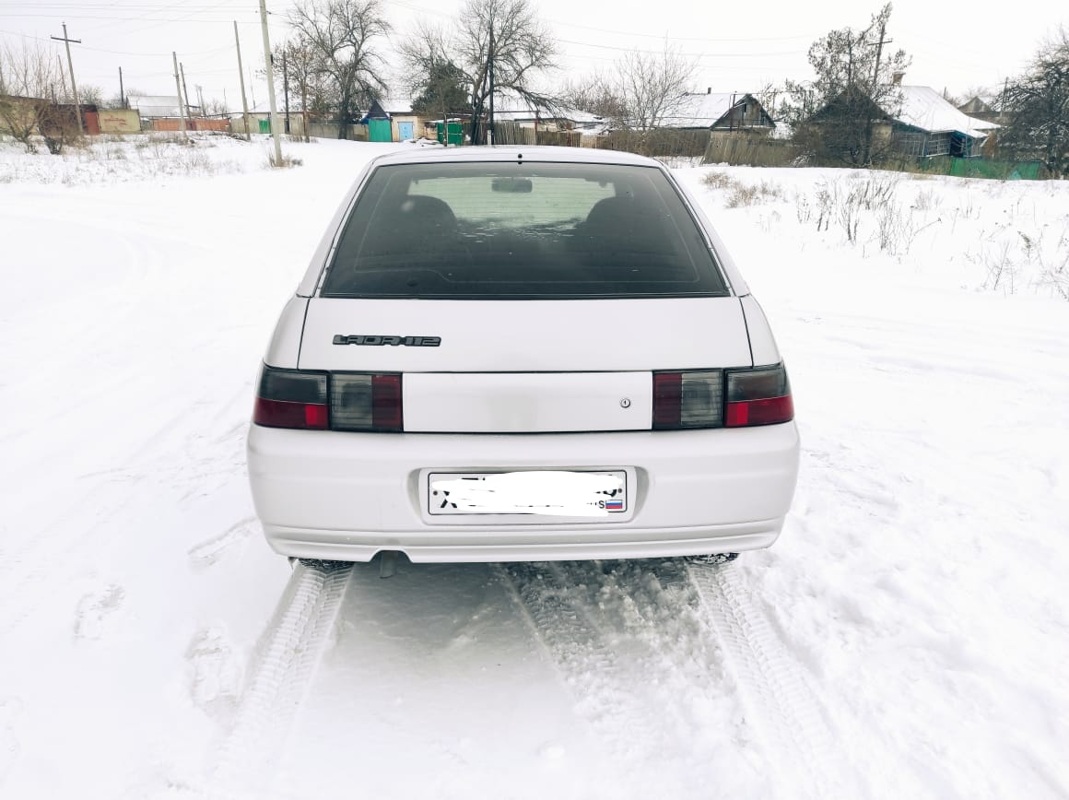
<point x="738" y="47"/>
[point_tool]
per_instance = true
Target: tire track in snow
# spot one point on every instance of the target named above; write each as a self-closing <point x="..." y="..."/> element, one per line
<point x="588" y="664"/>
<point x="783" y="708"/>
<point x="644" y="671"/>
<point x="279" y="677"/>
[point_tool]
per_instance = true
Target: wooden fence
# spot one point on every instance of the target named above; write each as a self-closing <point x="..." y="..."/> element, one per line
<point x="747" y="150"/>
<point x="660" y="143"/>
<point x="514" y="133"/>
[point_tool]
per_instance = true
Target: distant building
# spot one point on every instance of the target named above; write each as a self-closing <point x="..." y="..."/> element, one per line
<point x="158" y="106"/>
<point x="562" y="119"/>
<point x="983" y="109"/>
<point x="929" y="125"/>
<point x="925" y="125"/>
<point x="719" y="112"/>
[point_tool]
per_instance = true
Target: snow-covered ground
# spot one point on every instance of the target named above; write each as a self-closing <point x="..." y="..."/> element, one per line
<point x="907" y="636"/>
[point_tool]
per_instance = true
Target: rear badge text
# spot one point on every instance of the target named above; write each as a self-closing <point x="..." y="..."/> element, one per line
<point x="392" y="341"/>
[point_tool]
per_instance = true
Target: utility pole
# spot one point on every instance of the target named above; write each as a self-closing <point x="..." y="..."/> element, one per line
<point x="241" y="76"/>
<point x="879" y="53"/>
<point x="286" y="90"/>
<point x="185" y="91"/>
<point x="875" y="88"/>
<point x="70" y="65"/>
<point x="200" y="98"/>
<point x="122" y="95"/>
<point x="270" y="84"/>
<point x="490" y="126"/>
<point x="178" y="89"/>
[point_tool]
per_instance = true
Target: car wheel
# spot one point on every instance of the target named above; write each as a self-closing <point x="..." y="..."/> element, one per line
<point x="715" y="558"/>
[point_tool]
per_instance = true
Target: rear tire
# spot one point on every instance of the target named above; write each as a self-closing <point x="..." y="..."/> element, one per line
<point x="715" y="559"/>
<point x="322" y="565"/>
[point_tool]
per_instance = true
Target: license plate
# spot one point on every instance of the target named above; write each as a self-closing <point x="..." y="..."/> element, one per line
<point x="558" y="493"/>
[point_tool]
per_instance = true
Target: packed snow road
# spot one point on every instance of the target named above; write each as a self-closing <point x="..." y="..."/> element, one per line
<point x="906" y="637"/>
<point x="567" y="672"/>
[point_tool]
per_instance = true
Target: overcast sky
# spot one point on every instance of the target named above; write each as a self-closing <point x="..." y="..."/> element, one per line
<point x="739" y="46"/>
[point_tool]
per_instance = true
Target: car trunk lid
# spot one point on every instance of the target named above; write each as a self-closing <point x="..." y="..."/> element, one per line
<point x="525" y="366"/>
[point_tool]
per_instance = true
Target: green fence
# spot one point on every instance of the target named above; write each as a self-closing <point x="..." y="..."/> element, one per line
<point x="997" y="170"/>
<point x="991" y="169"/>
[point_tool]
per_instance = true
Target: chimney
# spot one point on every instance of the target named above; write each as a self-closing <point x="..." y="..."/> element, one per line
<point x="896" y="78"/>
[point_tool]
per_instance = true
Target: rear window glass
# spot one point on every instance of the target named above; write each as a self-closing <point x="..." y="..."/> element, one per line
<point x="511" y="230"/>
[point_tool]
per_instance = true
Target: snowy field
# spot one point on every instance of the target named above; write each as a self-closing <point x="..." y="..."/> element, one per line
<point x="907" y="637"/>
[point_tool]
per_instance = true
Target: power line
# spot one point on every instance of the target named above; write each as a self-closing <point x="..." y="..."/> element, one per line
<point x="738" y="40"/>
<point x="704" y="54"/>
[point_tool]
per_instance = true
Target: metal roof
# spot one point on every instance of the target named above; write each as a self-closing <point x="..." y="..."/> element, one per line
<point x="924" y="108"/>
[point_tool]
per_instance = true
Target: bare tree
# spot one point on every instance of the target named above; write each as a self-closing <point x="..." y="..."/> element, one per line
<point x="342" y="37"/>
<point x="494" y="45"/>
<point x="298" y="64"/>
<point x="596" y="95"/>
<point x="30" y="83"/>
<point x="854" y="88"/>
<point x="90" y="95"/>
<point x="215" y="108"/>
<point x="651" y="86"/>
<point x="1037" y="104"/>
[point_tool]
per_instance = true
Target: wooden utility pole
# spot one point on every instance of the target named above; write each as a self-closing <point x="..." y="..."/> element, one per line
<point x="286" y="90"/>
<point x="122" y="96"/>
<point x="70" y="65"/>
<point x="185" y="91"/>
<point x="879" y="53"/>
<point x="490" y="127"/>
<point x="875" y="90"/>
<point x="241" y="76"/>
<point x="178" y="89"/>
<point x="271" y="84"/>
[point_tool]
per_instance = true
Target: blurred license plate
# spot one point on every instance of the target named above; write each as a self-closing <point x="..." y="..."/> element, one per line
<point x="560" y="493"/>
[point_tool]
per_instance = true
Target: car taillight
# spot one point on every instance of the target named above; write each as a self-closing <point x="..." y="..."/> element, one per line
<point x="362" y="402"/>
<point x="688" y="399"/>
<point x="759" y="396"/>
<point x="714" y="398"/>
<point x="341" y="401"/>
<point x="289" y="398"/>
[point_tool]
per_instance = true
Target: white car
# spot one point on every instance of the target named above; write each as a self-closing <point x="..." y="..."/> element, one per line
<point x="520" y="353"/>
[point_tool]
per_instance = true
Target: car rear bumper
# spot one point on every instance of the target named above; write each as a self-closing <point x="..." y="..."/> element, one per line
<point x="348" y="496"/>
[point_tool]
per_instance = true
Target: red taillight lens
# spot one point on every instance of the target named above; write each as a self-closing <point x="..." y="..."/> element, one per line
<point x="758" y="397"/>
<point x="289" y="398"/>
<point x="386" y="402"/>
<point x="667" y="399"/>
<point x="688" y="399"/>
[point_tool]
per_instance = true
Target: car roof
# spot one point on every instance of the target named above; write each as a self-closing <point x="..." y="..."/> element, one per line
<point x="504" y="153"/>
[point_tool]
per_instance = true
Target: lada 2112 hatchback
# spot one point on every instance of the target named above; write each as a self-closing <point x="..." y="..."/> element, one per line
<point x="502" y="354"/>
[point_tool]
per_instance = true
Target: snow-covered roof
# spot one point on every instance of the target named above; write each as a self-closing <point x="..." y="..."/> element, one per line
<point x="924" y="108"/>
<point x="156" y="105"/>
<point x="572" y="114"/>
<point x="704" y="110"/>
<point x="701" y="110"/>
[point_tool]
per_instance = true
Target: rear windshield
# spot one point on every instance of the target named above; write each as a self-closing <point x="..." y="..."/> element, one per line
<point x="524" y="231"/>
